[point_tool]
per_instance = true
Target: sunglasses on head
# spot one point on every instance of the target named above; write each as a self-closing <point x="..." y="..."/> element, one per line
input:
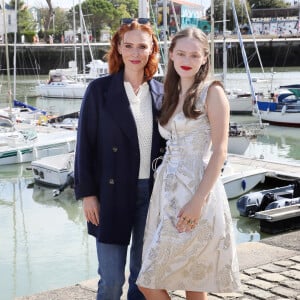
<point x="127" y="21"/>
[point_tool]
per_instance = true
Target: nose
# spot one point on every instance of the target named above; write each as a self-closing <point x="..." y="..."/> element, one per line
<point x="135" y="52"/>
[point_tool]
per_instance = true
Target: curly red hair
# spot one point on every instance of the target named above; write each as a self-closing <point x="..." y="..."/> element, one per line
<point x="115" y="61"/>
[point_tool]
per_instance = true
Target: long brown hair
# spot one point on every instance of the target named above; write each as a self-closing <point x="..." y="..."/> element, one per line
<point x="115" y="61"/>
<point x="172" y="80"/>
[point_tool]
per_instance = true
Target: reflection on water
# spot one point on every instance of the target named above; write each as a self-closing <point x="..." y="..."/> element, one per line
<point x="41" y="237"/>
<point x="276" y="145"/>
<point x="66" y="201"/>
<point x="246" y="229"/>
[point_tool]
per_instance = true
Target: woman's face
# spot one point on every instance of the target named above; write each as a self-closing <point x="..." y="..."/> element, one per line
<point x="187" y="56"/>
<point x="135" y="48"/>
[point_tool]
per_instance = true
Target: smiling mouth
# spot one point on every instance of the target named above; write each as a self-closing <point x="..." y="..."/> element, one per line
<point x="185" y="68"/>
<point x="135" y="61"/>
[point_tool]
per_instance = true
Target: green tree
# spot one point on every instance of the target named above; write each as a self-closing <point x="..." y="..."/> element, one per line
<point x="25" y="23"/>
<point x="267" y="4"/>
<point x="218" y="14"/>
<point x="102" y="14"/>
<point x="61" y="22"/>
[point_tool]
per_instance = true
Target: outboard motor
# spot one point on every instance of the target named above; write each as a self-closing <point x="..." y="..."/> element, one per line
<point x="266" y="200"/>
<point x="296" y="192"/>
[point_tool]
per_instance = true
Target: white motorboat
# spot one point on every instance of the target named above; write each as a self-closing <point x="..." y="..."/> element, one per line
<point x="53" y="170"/>
<point x="238" y="180"/>
<point x="66" y="83"/>
<point x="30" y="142"/>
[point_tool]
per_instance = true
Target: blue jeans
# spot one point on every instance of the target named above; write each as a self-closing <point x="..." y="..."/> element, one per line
<point x="112" y="257"/>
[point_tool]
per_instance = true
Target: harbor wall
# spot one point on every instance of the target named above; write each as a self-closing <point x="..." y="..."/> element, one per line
<point x="40" y="58"/>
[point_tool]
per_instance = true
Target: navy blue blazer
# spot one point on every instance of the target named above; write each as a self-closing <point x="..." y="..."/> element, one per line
<point x="107" y="155"/>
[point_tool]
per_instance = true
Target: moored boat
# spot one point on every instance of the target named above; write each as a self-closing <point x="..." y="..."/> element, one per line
<point x="284" y="109"/>
<point x="53" y="170"/>
<point x="253" y="202"/>
<point x="28" y="143"/>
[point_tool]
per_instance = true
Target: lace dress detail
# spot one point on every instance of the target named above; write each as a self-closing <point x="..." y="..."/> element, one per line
<point x="204" y="259"/>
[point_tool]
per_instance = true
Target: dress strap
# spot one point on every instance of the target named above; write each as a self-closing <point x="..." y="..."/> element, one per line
<point x="203" y="94"/>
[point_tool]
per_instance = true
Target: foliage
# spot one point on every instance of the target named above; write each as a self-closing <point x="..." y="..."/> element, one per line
<point x="102" y="14"/>
<point x="218" y="14"/>
<point x="256" y="4"/>
<point x="26" y="24"/>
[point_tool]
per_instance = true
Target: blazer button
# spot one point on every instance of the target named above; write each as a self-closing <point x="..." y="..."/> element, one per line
<point x="114" y="149"/>
<point x="162" y="150"/>
<point x="111" y="181"/>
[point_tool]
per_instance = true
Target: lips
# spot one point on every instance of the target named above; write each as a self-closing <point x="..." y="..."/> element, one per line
<point x="185" y="68"/>
<point x="135" y="61"/>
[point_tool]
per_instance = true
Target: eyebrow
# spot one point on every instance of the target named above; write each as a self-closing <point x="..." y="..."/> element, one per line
<point x="193" y="52"/>
<point x="139" y="44"/>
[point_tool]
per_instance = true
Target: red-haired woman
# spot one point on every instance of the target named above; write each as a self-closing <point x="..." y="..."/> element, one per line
<point x="117" y="140"/>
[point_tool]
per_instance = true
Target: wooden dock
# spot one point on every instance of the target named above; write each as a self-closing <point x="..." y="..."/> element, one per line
<point x="284" y="171"/>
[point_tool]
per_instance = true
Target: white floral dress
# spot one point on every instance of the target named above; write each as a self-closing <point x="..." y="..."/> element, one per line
<point x="204" y="259"/>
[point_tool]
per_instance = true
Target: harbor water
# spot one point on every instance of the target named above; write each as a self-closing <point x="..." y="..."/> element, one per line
<point x="43" y="239"/>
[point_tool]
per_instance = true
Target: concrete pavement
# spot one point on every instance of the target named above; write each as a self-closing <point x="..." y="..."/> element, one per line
<point x="270" y="270"/>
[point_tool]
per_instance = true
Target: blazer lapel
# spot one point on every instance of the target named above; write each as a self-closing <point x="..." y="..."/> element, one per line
<point x="118" y="106"/>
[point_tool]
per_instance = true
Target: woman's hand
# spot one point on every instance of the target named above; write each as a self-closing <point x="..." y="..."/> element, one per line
<point x="91" y="208"/>
<point x="189" y="215"/>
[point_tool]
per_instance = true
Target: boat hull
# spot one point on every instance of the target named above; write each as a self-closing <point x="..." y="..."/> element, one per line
<point x="53" y="142"/>
<point x="53" y="170"/>
<point x="242" y="182"/>
<point x="277" y="118"/>
<point x="56" y="90"/>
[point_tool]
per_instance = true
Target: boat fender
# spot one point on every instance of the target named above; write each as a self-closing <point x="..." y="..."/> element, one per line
<point x="283" y="110"/>
<point x="244" y="184"/>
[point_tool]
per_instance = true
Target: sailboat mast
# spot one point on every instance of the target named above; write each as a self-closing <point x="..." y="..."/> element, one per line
<point x="245" y="58"/>
<point x="224" y="45"/>
<point x="7" y="59"/>
<point x="15" y="52"/>
<point x="212" y="36"/>
<point x="74" y="34"/>
<point x="82" y="40"/>
<point x="144" y="11"/>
